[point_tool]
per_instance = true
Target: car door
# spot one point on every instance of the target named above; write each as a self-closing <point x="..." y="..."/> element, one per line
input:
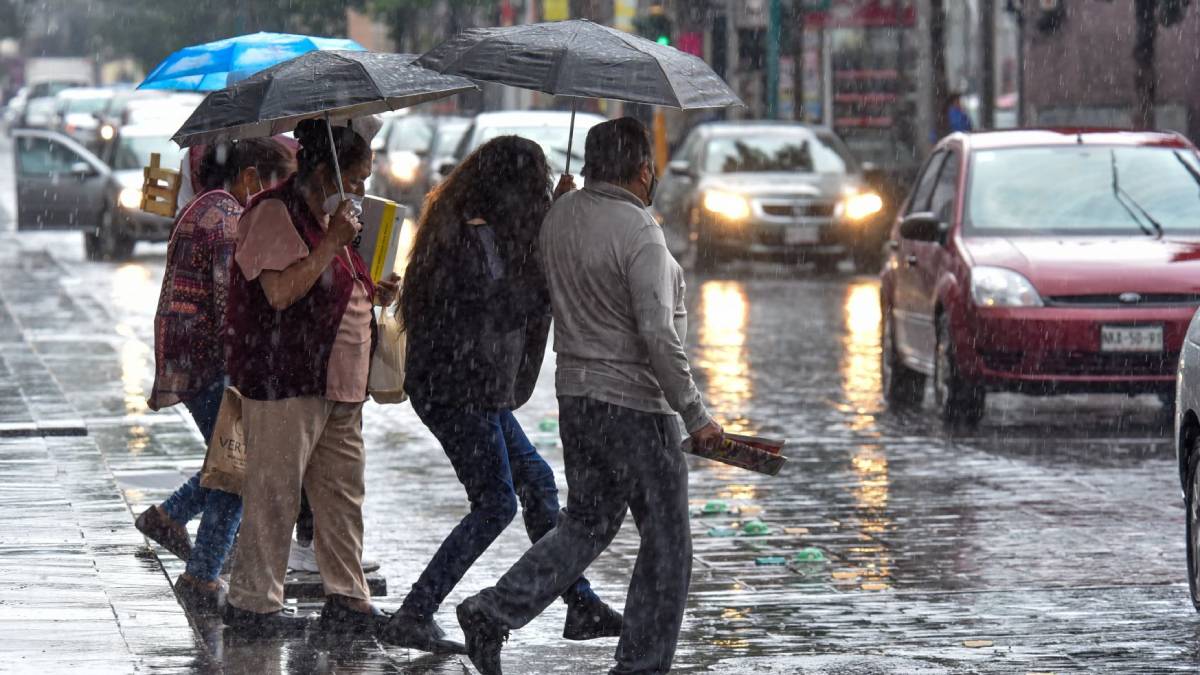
<point x="932" y="256"/>
<point x="60" y="185"/>
<point x="909" y="301"/>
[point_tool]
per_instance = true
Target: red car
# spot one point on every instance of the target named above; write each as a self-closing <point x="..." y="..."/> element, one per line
<point x="1042" y="262"/>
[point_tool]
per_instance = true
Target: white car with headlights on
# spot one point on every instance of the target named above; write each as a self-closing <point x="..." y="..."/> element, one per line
<point x="769" y="190"/>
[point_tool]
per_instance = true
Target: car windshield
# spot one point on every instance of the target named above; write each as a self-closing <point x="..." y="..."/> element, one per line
<point x="448" y="135"/>
<point x="552" y="137"/>
<point x="86" y="105"/>
<point x="768" y="152"/>
<point x="133" y="152"/>
<point x="1084" y="189"/>
<point x="410" y="133"/>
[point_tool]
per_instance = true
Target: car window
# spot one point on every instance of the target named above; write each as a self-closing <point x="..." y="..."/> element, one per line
<point x="928" y="180"/>
<point x="1083" y="189"/>
<point x="770" y="152"/>
<point x="133" y="152"/>
<point x="85" y="105"/>
<point x="413" y="134"/>
<point x="690" y="149"/>
<point x="944" y="191"/>
<point x="43" y="157"/>
<point x="447" y="136"/>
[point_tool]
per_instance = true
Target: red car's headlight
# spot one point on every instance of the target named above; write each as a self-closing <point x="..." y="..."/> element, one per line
<point x="1000" y="287"/>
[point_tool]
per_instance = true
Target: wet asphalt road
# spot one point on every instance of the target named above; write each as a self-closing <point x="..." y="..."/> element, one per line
<point x="1049" y="540"/>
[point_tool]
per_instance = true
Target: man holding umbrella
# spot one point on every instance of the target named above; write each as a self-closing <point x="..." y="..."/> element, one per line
<point x="622" y="376"/>
<point x="619" y="322"/>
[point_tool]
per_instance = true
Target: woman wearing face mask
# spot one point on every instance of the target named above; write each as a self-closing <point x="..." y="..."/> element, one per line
<point x="189" y="358"/>
<point x="301" y="329"/>
<point x="477" y="313"/>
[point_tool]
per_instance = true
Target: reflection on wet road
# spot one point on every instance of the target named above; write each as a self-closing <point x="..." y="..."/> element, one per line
<point x="1049" y="540"/>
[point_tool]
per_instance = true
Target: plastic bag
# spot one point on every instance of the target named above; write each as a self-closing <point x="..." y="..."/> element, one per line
<point x="385" y="383"/>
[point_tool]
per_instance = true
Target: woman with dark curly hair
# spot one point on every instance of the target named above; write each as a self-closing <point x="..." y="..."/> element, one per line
<point x="301" y="330"/>
<point x="477" y="315"/>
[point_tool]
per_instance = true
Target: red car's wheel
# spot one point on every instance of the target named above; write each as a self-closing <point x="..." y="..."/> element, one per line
<point x="960" y="402"/>
<point x="903" y="387"/>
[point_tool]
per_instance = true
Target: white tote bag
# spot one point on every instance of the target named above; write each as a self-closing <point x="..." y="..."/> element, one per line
<point x="386" y="380"/>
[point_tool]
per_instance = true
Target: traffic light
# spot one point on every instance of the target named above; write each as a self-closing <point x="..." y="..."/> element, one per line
<point x="655" y="26"/>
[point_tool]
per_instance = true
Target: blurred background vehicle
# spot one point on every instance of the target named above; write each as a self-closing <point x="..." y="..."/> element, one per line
<point x="15" y="108"/>
<point x="1042" y="262"/>
<point x="122" y="223"/>
<point x="769" y="190"/>
<point x="77" y="108"/>
<point x="39" y="113"/>
<point x="60" y="185"/>
<point x="113" y="115"/>
<point x="548" y="128"/>
<point x="63" y="185"/>
<point x="413" y="148"/>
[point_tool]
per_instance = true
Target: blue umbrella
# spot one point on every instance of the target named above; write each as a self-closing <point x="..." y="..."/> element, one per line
<point x="216" y="65"/>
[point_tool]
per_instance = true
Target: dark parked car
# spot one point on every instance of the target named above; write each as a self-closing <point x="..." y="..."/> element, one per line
<point x="63" y="185"/>
<point x="1043" y="262"/>
<point x="783" y="191"/>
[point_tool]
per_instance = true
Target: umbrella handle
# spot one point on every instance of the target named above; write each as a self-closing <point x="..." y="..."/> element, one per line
<point x="571" y="134"/>
<point x="337" y="170"/>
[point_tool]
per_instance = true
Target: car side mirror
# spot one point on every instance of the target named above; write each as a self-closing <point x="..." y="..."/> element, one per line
<point x="681" y="168"/>
<point x="923" y="226"/>
<point x="82" y="170"/>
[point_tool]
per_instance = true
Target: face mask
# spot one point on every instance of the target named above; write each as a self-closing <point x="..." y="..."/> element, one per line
<point x="334" y="200"/>
<point x="254" y="195"/>
<point x="652" y="190"/>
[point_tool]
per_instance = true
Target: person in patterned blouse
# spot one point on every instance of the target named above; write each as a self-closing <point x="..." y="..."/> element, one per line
<point x="189" y="354"/>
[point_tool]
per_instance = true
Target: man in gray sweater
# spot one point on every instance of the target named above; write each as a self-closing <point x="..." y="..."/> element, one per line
<point x="623" y="375"/>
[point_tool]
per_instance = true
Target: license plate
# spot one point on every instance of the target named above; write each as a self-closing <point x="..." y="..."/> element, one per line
<point x="800" y="235"/>
<point x="1131" y="339"/>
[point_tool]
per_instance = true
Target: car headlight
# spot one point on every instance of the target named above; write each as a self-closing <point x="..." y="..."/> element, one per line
<point x="404" y="166"/>
<point x="859" y="206"/>
<point x="130" y="198"/>
<point x="999" y="287"/>
<point x="726" y="204"/>
<point x="107" y="132"/>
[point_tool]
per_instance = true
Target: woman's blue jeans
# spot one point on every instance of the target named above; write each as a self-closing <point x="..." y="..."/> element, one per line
<point x="498" y="466"/>
<point x="222" y="510"/>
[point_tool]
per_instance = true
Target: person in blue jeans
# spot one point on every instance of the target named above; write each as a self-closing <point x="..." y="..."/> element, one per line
<point x="189" y="354"/>
<point x="477" y="316"/>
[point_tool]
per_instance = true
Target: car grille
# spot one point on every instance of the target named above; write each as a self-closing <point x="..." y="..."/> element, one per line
<point x="1082" y="363"/>
<point x="787" y="209"/>
<point x="1146" y="300"/>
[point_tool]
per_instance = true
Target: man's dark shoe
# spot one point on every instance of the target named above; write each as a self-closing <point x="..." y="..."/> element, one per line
<point x="407" y="630"/>
<point x="340" y="619"/>
<point x="591" y="620"/>
<point x="169" y="534"/>
<point x="199" y="597"/>
<point x="484" y="637"/>
<point x="254" y="625"/>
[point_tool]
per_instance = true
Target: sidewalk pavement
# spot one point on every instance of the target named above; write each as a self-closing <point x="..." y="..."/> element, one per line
<point x="79" y="589"/>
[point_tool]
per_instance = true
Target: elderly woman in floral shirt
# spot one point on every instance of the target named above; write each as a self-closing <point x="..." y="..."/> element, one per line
<point x="188" y="350"/>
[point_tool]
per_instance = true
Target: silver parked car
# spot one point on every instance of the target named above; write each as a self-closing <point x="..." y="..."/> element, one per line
<point x="1187" y="447"/>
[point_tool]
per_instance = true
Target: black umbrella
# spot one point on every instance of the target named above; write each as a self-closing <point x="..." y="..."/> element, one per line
<point x="334" y="85"/>
<point x="582" y="59"/>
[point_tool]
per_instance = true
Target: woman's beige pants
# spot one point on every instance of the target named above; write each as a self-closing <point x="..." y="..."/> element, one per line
<point x="314" y="443"/>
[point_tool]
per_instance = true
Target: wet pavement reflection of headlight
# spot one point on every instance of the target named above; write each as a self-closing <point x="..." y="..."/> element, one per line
<point x="721" y="356"/>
